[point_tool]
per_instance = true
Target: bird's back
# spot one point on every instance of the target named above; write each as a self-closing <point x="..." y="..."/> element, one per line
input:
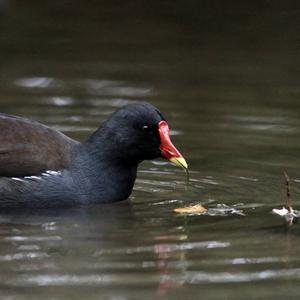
<point x="29" y="148"/>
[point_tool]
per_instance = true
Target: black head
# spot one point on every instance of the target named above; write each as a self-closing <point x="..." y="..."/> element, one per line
<point x="131" y="133"/>
<point x="134" y="133"/>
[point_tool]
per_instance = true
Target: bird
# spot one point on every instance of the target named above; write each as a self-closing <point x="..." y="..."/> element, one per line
<point x="43" y="168"/>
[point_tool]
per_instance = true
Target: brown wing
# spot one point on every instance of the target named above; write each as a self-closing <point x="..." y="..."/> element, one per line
<point x="28" y="147"/>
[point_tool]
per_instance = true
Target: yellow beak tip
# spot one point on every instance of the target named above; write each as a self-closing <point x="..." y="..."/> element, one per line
<point x="179" y="161"/>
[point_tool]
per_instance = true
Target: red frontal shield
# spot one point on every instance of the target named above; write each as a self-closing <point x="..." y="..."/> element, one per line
<point x="168" y="150"/>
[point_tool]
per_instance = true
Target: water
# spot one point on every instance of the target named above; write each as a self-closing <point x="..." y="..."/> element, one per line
<point x="226" y="78"/>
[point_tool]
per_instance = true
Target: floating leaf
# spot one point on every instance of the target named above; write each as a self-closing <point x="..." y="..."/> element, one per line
<point x="195" y="209"/>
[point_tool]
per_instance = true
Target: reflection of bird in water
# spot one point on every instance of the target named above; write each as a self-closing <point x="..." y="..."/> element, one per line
<point x="167" y="255"/>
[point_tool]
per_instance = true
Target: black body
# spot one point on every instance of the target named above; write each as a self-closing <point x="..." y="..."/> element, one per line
<point x="102" y="169"/>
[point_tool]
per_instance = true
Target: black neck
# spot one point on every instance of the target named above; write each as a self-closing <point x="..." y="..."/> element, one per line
<point x="94" y="168"/>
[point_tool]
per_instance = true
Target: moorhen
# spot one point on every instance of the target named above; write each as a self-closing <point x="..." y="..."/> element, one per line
<point x="41" y="167"/>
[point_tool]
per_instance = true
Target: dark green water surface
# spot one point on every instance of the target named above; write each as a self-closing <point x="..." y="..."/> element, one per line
<point x="226" y="76"/>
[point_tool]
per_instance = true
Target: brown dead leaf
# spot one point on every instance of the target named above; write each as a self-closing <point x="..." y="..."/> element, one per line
<point x="190" y="209"/>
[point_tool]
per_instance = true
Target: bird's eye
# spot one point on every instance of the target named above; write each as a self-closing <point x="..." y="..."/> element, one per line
<point x="148" y="129"/>
<point x="145" y="127"/>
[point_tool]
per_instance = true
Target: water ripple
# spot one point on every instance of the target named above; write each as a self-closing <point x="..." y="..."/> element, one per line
<point x="33" y="238"/>
<point x="229" y="277"/>
<point x="114" y="88"/>
<point x="23" y="256"/>
<point x="167" y="247"/>
<point x="59" y="101"/>
<point x="37" y="82"/>
<point x="262" y="123"/>
<point x="187" y="277"/>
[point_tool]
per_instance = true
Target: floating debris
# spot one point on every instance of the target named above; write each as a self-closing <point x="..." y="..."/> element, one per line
<point x="224" y="210"/>
<point x="195" y="209"/>
<point x="219" y="210"/>
<point x="288" y="213"/>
